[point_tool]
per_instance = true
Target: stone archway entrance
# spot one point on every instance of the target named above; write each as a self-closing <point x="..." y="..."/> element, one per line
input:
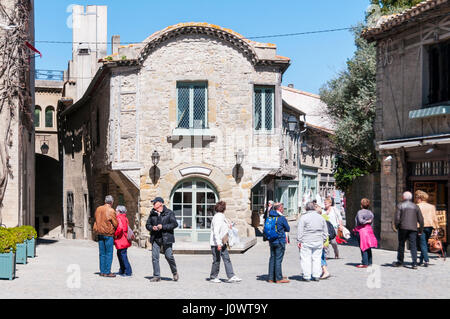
<point x="48" y="203"/>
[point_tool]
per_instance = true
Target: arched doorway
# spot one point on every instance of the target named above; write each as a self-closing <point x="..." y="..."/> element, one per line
<point x="192" y="202"/>
<point x="48" y="185"/>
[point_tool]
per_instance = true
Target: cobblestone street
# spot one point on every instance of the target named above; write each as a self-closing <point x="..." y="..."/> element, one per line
<point x="51" y="275"/>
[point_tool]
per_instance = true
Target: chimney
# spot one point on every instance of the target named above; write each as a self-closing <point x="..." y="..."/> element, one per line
<point x="115" y="42"/>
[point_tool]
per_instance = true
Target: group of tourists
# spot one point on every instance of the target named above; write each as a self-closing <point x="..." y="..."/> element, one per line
<point x="318" y="230"/>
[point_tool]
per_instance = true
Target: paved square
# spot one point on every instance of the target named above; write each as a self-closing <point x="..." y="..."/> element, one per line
<point x="53" y="274"/>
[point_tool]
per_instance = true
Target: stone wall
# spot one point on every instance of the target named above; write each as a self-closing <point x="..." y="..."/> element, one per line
<point x="144" y="112"/>
<point x="367" y="186"/>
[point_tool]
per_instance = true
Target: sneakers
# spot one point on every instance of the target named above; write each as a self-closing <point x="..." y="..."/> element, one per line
<point x="397" y="264"/>
<point x="306" y="279"/>
<point x="234" y="279"/>
<point x="155" y="279"/>
<point x="425" y="264"/>
<point x="414" y="267"/>
<point x="315" y="279"/>
<point x="111" y="275"/>
<point x="175" y="277"/>
<point x="361" y="266"/>
<point x="215" y="280"/>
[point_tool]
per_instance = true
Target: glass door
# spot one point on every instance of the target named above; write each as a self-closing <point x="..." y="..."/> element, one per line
<point x="193" y="204"/>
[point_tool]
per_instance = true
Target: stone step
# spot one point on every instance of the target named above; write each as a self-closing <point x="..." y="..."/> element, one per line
<point x="203" y="248"/>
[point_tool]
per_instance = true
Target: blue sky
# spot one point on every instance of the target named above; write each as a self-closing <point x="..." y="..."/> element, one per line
<point x="315" y="58"/>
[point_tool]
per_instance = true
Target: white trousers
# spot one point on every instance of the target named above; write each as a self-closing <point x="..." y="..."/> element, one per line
<point x="310" y="259"/>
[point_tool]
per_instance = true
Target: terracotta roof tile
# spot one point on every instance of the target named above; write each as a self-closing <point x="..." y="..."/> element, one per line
<point x="403" y="17"/>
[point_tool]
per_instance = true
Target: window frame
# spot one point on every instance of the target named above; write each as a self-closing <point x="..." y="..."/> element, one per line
<point x="37" y="108"/>
<point x="191" y="85"/>
<point x="263" y="129"/>
<point x="428" y="100"/>
<point x="49" y="107"/>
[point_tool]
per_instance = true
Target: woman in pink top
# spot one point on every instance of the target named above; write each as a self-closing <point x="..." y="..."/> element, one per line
<point x="121" y="241"/>
<point x="364" y="233"/>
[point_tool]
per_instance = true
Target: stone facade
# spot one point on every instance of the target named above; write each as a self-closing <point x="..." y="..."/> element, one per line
<point x="17" y="207"/>
<point x="130" y="110"/>
<point x="409" y="131"/>
<point x="48" y="206"/>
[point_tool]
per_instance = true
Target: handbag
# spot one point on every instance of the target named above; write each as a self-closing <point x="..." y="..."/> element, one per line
<point x="130" y="234"/>
<point x="436" y="245"/>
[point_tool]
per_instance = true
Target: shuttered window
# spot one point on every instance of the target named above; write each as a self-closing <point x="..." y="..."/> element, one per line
<point x="264" y="108"/>
<point x="192" y="110"/>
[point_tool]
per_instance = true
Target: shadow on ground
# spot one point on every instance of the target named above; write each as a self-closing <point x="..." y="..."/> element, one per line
<point x="43" y="241"/>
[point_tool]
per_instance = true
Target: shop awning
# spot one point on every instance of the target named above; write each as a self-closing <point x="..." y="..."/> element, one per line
<point x="430" y="112"/>
<point x="258" y="174"/>
<point x="413" y="142"/>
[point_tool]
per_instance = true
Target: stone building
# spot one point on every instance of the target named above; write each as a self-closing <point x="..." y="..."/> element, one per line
<point x="412" y="124"/>
<point x="16" y="123"/>
<point x="317" y="152"/>
<point x="202" y="99"/>
<point x="48" y="181"/>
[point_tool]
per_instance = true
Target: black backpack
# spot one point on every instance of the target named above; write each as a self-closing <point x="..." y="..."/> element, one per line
<point x="331" y="231"/>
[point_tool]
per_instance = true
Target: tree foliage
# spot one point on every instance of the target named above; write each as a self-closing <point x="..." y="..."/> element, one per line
<point x="393" y="6"/>
<point x="351" y="98"/>
<point x="351" y="104"/>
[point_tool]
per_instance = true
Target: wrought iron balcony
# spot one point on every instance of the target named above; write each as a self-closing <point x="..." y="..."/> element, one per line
<point x="49" y="75"/>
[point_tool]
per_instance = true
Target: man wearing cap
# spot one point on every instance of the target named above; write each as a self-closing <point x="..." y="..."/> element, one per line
<point x="161" y="224"/>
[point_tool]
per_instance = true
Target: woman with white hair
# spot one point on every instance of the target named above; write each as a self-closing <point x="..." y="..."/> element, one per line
<point x="311" y="235"/>
<point x="121" y="241"/>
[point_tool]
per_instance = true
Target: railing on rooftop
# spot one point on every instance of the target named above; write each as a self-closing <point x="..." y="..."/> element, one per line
<point x="49" y="75"/>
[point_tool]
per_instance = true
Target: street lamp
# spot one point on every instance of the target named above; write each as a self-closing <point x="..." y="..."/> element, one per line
<point x="155" y="161"/>
<point x="155" y="158"/>
<point x="292" y="123"/>
<point x="44" y="148"/>
<point x="239" y="158"/>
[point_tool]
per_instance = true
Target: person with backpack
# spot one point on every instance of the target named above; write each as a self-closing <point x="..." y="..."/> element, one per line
<point x="311" y="235"/>
<point x="275" y="229"/>
<point x="122" y="242"/>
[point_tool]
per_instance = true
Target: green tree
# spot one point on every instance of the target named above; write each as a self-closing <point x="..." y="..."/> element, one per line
<point x="351" y="98"/>
<point x="351" y="104"/>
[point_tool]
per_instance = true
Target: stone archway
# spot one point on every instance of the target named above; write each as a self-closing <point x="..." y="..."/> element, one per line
<point x="48" y="203"/>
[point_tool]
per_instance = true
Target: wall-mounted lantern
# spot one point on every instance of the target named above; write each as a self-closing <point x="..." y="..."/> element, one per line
<point x="239" y="157"/>
<point x="387" y="165"/>
<point x="44" y="148"/>
<point x="155" y="158"/>
<point x="292" y="123"/>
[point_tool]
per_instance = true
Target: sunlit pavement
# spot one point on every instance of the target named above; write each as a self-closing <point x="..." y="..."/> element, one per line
<point x="69" y="269"/>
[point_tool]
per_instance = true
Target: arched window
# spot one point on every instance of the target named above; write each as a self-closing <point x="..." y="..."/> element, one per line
<point x="37" y="116"/>
<point x="193" y="204"/>
<point x="49" y="116"/>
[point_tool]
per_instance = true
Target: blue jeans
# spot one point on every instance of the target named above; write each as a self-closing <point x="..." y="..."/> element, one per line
<point x="276" y="258"/>
<point x="366" y="255"/>
<point x="323" y="261"/>
<point x="125" y="267"/>
<point x="424" y="244"/>
<point x="106" y="249"/>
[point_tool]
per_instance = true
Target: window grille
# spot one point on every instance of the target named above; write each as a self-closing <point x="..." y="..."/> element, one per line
<point x="192" y="106"/>
<point x="264" y="108"/>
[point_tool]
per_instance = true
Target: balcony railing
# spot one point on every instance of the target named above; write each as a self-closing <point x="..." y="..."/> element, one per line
<point x="49" y="75"/>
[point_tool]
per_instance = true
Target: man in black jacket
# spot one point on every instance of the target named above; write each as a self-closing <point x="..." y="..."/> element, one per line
<point x="407" y="217"/>
<point x="161" y="224"/>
